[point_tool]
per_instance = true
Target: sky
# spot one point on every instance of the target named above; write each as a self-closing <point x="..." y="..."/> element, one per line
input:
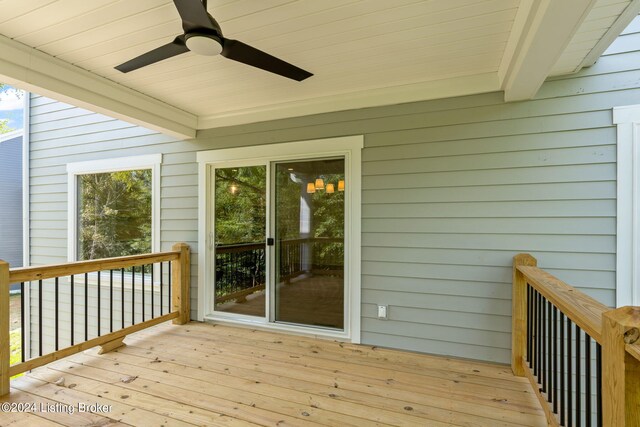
<point x="11" y="104"/>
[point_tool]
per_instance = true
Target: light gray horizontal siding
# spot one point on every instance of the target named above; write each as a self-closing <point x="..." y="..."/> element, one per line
<point x="452" y="189"/>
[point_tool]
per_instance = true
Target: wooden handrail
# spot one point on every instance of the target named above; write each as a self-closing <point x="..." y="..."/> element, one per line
<point x="616" y="330"/>
<point x="583" y="310"/>
<point x="179" y="257"/>
<point x="27" y="274"/>
<point x="633" y="350"/>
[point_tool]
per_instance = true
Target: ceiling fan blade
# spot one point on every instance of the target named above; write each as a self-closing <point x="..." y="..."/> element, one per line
<point x="176" y="47"/>
<point x="194" y="15"/>
<point x="238" y="51"/>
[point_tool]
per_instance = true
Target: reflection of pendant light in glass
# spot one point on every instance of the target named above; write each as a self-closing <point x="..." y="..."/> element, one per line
<point x="341" y="185"/>
<point x="319" y="184"/>
<point x="233" y="189"/>
<point x="330" y="188"/>
<point x="311" y="188"/>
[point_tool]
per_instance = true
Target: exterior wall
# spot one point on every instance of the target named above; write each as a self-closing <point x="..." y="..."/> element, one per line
<point x="11" y="205"/>
<point x="452" y="189"/>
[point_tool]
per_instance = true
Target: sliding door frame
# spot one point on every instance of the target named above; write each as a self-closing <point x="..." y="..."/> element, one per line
<point x="348" y="147"/>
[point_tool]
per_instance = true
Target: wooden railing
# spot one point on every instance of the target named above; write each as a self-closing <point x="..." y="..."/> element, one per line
<point x="170" y="270"/>
<point x="581" y="357"/>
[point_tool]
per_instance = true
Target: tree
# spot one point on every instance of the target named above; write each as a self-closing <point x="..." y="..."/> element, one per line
<point x="4" y="126"/>
<point x="240" y="205"/>
<point x="4" y="123"/>
<point x="114" y="214"/>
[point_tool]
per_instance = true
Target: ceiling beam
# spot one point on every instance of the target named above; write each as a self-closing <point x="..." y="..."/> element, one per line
<point x="29" y="69"/>
<point x="542" y="35"/>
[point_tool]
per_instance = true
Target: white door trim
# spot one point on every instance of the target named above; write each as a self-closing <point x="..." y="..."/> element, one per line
<point x="627" y="119"/>
<point x="350" y="147"/>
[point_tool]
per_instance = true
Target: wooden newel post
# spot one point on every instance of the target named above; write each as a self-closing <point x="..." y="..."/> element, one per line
<point x="519" y="313"/>
<point x="180" y="283"/>
<point x="620" y="370"/>
<point x="5" y="346"/>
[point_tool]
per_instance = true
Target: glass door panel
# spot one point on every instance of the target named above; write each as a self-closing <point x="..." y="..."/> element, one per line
<point x="239" y="240"/>
<point x="309" y="236"/>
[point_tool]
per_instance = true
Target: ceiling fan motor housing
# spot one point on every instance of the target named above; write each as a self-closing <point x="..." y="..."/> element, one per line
<point x="204" y="43"/>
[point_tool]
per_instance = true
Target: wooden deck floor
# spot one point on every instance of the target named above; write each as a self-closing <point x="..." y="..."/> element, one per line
<point x="202" y="374"/>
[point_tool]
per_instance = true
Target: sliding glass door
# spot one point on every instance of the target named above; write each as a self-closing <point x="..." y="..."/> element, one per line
<point x="309" y="214"/>
<point x="239" y="241"/>
<point x="294" y="272"/>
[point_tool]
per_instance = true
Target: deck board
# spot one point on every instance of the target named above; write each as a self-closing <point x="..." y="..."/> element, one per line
<point x="217" y="375"/>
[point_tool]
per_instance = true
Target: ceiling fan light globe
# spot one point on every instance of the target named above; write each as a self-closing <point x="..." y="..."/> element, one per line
<point x="203" y="44"/>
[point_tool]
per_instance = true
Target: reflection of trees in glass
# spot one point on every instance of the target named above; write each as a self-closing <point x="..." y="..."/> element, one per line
<point x="240" y="218"/>
<point x="114" y="214"/>
<point x="240" y="205"/>
<point x="327" y="209"/>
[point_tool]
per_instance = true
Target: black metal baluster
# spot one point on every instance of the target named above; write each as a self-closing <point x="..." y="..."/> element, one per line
<point x="587" y="374"/>
<point x="142" y="269"/>
<point x="133" y="295"/>
<point x="529" y="326"/>
<point x="22" y="318"/>
<point x="122" y="295"/>
<point x="40" y="317"/>
<point x="543" y="336"/>
<point x="562" y="372"/>
<point x="161" y="296"/>
<point x="169" y="307"/>
<point x="110" y="300"/>
<point x="99" y="311"/>
<point x="86" y="306"/>
<point x="536" y="354"/>
<point x="152" y="292"/>
<point x="554" y="369"/>
<point x="73" y="317"/>
<point x="599" y="384"/>
<point x="548" y="364"/>
<point x="578" y="377"/>
<point x="57" y="312"/>
<point x="569" y="375"/>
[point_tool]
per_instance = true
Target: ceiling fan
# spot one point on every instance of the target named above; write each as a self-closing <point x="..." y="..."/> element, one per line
<point x="202" y="35"/>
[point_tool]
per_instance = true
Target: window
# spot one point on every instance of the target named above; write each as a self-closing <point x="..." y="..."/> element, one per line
<point x="628" y="205"/>
<point x="112" y="208"/>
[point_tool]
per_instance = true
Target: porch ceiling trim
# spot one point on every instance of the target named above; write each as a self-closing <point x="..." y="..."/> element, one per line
<point x="612" y="33"/>
<point x="541" y="40"/>
<point x="35" y="71"/>
<point x="435" y="89"/>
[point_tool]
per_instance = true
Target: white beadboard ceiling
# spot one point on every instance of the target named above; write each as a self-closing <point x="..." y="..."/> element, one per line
<point x="362" y="53"/>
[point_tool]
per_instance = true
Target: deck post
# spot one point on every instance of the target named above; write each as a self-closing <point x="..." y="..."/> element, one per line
<point x="5" y="345"/>
<point x="620" y="370"/>
<point x="519" y="313"/>
<point x="180" y="282"/>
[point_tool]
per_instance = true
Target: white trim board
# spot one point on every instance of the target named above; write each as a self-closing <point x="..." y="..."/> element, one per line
<point x="26" y="214"/>
<point x="627" y="119"/>
<point x="150" y="161"/>
<point x="350" y="147"/>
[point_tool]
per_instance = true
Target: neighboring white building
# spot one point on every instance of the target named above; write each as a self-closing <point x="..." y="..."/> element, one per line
<point x="11" y="202"/>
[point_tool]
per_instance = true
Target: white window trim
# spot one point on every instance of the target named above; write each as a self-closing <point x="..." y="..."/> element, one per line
<point x="627" y="119"/>
<point x="150" y="161"/>
<point x="348" y="146"/>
